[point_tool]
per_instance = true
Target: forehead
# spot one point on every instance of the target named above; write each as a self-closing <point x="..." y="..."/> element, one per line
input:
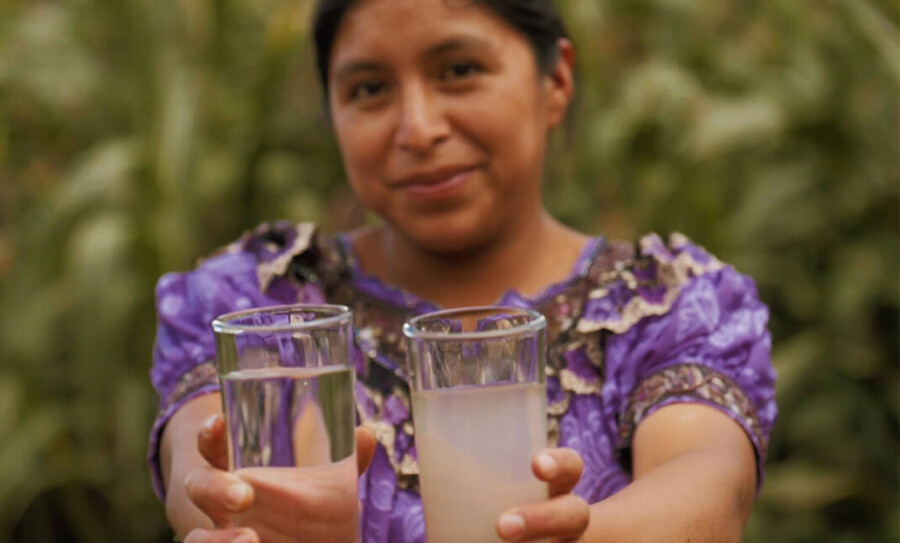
<point x="404" y="28"/>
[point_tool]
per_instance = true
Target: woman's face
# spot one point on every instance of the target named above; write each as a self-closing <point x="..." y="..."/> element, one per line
<point x="442" y="117"/>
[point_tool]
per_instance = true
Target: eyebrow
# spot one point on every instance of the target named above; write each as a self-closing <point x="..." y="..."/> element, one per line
<point x="452" y="44"/>
<point x="442" y="48"/>
<point x="355" y="67"/>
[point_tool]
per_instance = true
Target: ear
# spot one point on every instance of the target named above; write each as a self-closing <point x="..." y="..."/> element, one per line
<point x="561" y="84"/>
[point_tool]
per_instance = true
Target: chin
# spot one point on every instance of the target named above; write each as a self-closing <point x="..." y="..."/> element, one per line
<point x="448" y="235"/>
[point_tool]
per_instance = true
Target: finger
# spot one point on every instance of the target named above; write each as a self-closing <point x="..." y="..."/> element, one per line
<point x="564" y="517"/>
<point x="218" y="494"/>
<point x="560" y="468"/>
<point x="365" y="448"/>
<point x="211" y="441"/>
<point x="318" y="504"/>
<point x="232" y="535"/>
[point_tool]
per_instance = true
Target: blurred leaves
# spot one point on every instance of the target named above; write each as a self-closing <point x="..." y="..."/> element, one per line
<point x="803" y="487"/>
<point x="136" y="136"/>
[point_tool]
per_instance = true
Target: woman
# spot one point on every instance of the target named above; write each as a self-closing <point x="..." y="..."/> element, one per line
<point x="659" y="389"/>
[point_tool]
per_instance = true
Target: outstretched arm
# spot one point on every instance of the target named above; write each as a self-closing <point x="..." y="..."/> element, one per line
<point x="694" y="480"/>
<point x="179" y="456"/>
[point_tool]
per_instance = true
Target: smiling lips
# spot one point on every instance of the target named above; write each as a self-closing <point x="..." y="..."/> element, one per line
<point x="436" y="183"/>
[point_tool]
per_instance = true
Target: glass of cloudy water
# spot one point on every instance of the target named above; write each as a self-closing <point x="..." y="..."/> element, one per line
<point x="479" y="412"/>
<point x="287" y="392"/>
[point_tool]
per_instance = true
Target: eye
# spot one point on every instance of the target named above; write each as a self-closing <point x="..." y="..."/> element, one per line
<point x="459" y="70"/>
<point x="367" y="89"/>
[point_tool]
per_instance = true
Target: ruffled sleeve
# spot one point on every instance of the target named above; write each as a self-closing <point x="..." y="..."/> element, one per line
<point x="697" y="333"/>
<point x="251" y="272"/>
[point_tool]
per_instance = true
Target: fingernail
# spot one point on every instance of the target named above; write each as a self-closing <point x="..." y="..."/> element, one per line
<point x="511" y="525"/>
<point x="237" y="495"/>
<point x="548" y="465"/>
<point x="244" y="537"/>
<point x="208" y="425"/>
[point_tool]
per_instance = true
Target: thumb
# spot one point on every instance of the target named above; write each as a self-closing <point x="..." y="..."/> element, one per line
<point x="211" y="441"/>
<point x="365" y="448"/>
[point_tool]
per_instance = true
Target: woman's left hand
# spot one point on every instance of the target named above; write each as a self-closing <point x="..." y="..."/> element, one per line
<point x="562" y="517"/>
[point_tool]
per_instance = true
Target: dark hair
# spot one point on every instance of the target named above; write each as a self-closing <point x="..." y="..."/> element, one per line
<point x="538" y="20"/>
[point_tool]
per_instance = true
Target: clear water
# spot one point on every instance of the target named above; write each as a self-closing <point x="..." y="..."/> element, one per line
<point x="289" y="417"/>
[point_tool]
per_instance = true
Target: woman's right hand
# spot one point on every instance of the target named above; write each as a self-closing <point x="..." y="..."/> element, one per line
<point x="275" y="504"/>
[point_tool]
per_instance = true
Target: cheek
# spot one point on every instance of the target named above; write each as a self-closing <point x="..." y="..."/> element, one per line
<point x="363" y="148"/>
<point x="511" y="132"/>
<point x="509" y="122"/>
<point x="357" y="141"/>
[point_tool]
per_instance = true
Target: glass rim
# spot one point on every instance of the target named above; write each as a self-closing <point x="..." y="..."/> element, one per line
<point x="339" y="314"/>
<point x="536" y="322"/>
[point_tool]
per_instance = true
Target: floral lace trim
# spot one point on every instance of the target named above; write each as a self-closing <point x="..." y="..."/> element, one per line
<point x="266" y="272"/>
<point x="192" y="381"/>
<point x="672" y="274"/>
<point x="391" y="434"/>
<point x="556" y="409"/>
<point x="569" y="381"/>
<point x="689" y="381"/>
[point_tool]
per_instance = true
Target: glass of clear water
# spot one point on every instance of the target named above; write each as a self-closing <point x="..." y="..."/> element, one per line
<point x="479" y="412"/>
<point x="287" y="388"/>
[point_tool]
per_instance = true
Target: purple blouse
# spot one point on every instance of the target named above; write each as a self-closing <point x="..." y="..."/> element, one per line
<point x="637" y="326"/>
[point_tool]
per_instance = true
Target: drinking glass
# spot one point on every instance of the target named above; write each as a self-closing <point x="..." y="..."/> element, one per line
<point x="287" y="388"/>
<point x="479" y="412"/>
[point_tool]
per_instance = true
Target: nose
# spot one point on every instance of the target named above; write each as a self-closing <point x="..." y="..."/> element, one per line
<point x="422" y="124"/>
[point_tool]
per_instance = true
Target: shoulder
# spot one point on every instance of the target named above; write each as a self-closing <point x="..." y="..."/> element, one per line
<point x="276" y="262"/>
<point x="274" y="248"/>
<point x="687" y="328"/>
<point x="655" y="257"/>
<point x="628" y="281"/>
<point x="270" y="252"/>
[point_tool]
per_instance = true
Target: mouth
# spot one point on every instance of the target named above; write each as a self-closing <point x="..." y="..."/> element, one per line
<point x="435" y="183"/>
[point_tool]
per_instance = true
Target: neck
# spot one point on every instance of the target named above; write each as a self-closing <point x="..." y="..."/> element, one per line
<point x="526" y="259"/>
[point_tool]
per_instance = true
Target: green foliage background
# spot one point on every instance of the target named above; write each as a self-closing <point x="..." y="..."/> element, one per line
<point x="137" y="135"/>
